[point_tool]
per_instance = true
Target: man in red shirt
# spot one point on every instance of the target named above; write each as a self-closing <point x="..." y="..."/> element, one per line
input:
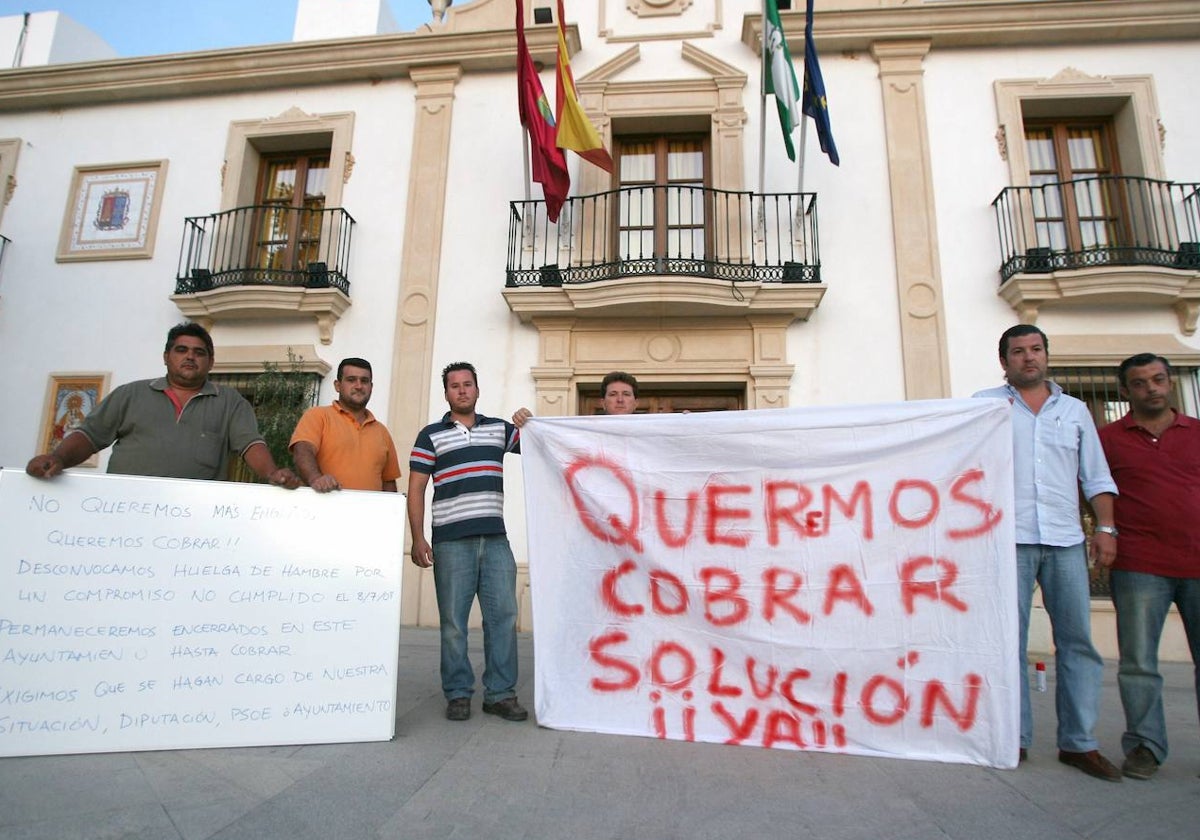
<point x="1154" y="454"/>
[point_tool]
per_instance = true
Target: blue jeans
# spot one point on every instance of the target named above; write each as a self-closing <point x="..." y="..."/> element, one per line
<point x="1142" y="602"/>
<point x="462" y="568"/>
<point x="1063" y="575"/>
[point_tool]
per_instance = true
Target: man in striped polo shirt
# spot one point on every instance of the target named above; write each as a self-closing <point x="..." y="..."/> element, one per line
<point x="470" y="555"/>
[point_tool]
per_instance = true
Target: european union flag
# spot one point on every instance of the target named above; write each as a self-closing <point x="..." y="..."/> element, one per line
<point x="813" y="102"/>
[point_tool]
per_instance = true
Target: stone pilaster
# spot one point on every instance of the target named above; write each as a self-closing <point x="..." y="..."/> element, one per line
<point x="408" y="404"/>
<point x="914" y="219"/>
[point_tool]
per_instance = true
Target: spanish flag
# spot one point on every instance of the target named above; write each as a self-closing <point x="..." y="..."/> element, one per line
<point x="549" y="162"/>
<point x="575" y="130"/>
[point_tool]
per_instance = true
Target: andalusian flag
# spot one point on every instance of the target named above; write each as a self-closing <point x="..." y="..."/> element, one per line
<point x="779" y="78"/>
<point x="575" y="130"/>
<point x="549" y="162"/>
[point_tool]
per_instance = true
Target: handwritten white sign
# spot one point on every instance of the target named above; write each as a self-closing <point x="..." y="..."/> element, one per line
<point x="146" y="614"/>
<point x="837" y="579"/>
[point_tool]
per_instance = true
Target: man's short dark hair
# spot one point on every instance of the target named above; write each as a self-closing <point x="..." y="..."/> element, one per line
<point x="453" y="366"/>
<point x="1140" y="360"/>
<point x="618" y="376"/>
<point x="192" y="329"/>
<point x="354" y="361"/>
<point x="1018" y="331"/>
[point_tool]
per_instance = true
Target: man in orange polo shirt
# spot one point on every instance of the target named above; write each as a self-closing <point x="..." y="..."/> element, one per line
<point x="342" y="446"/>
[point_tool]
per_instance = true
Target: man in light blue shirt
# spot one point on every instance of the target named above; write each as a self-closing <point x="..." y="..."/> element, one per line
<point x="1056" y="450"/>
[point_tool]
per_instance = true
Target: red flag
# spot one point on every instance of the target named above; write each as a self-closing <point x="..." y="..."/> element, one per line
<point x="575" y="130"/>
<point x="549" y="161"/>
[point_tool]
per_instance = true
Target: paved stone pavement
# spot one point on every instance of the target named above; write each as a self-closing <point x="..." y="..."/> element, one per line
<point x="489" y="779"/>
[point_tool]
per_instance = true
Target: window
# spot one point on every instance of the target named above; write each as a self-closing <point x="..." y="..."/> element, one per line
<point x="294" y="134"/>
<point x="279" y="246"/>
<point x="1089" y="192"/>
<point x="662" y="213"/>
<point x="1125" y="104"/>
<point x="1076" y="207"/>
<point x="279" y="396"/>
<point x="288" y="220"/>
<point x="1097" y="387"/>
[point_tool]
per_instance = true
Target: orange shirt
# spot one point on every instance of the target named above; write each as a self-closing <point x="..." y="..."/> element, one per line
<point x="360" y="457"/>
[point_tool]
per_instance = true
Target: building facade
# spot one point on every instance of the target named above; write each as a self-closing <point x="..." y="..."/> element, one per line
<point x="364" y="195"/>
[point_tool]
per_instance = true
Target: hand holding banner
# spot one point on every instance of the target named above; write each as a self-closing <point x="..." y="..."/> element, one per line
<point x="147" y="613"/>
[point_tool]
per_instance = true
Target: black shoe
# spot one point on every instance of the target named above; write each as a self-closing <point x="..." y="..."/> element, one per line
<point x="1022" y="755"/>
<point x="1091" y="763"/>
<point x="459" y="709"/>
<point x="508" y="708"/>
<point x="1139" y="763"/>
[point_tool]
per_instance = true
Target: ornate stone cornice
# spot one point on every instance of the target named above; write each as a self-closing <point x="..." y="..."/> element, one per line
<point x="657" y="297"/>
<point x="369" y="60"/>
<point x="992" y="23"/>
<point x="234" y="302"/>
<point x="1027" y="294"/>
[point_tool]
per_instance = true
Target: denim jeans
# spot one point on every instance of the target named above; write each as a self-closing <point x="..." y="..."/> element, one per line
<point x="1142" y="602"/>
<point x="482" y="565"/>
<point x="1063" y="575"/>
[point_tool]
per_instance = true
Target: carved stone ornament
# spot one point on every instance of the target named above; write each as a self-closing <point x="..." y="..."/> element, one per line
<point x="657" y="8"/>
<point x="292" y="113"/>
<point x="1002" y="142"/>
<point x="1070" y="74"/>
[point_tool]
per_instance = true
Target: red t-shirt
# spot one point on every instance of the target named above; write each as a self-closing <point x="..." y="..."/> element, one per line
<point x="1158" y="509"/>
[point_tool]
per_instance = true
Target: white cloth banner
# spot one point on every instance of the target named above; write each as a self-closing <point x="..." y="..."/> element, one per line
<point x="150" y="613"/>
<point x="837" y="579"/>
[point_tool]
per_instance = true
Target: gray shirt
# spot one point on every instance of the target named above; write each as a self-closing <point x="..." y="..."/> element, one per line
<point x="138" y="420"/>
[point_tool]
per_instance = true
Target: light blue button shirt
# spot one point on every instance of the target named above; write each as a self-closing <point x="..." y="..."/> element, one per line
<point x="1054" y="451"/>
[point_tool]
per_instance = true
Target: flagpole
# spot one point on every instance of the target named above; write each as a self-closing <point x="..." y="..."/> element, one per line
<point x="804" y="118"/>
<point x="798" y="219"/>
<point x="799" y="215"/>
<point x="762" y="102"/>
<point x="525" y="156"/>
<point x="525" y="160"/>
<point x="803" y="131"/>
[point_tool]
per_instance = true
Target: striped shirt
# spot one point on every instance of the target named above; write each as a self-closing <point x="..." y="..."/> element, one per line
<point x="467" y="466"/>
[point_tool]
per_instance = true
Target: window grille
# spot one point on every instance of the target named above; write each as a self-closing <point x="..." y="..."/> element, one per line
<point x="1097" y="386"/>
<point x="279" y="397"/>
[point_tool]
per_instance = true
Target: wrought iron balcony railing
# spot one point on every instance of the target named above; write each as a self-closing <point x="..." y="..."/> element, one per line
<point x="681" y="231"/>
<point x="1098" y="221"/>
<point x="266" y="246"/>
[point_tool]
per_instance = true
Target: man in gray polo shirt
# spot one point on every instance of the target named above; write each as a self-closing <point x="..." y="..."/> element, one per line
<point x="179" y="426"/>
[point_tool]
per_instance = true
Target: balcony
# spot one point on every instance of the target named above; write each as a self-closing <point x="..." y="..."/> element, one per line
<point x="1101" y="240"/>
<point x="658" y="251"/>
<point x="266" y="261"/>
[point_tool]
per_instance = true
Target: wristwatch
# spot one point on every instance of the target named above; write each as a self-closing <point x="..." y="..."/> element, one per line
<point x="1107" y="529"/>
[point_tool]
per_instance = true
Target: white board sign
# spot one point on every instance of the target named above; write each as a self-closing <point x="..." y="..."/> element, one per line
<point x="839" y="579"/>
<point x="146" y="614"/>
